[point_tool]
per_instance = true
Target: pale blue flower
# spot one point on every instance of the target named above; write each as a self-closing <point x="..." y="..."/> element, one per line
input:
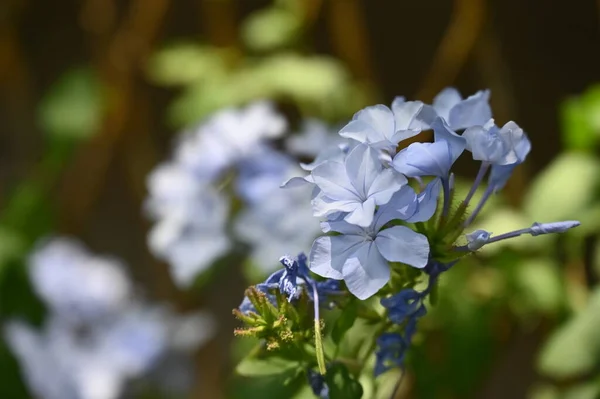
<point x="262" y="173"/>
<point x="356" y="186"/>
<point x="75" y="284"/>
<point x="500" y="174"/>
<point x="191" y="235"/>
<point x="383" y="128"/>
<point x="360" y="256"/>
<point x="498" y="146"/>
<point x="227" y="137"/>
<point x="458" y="113"/>
<point x="431" y="159"/>
<point x="282" y="222"/>
<point x="314" y="136"/>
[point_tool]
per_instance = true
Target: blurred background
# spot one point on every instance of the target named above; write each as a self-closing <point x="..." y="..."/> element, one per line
<point x="93" y="94"/>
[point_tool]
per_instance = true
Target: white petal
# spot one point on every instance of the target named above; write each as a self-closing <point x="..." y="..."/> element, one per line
<point x="363" y="166"/>
<point x="380" y="118"/>
<point x="402" y="205"/>
<point x="332" y="179"/>
<point x="472" y="111"/>
<point x="362" y="215"/>
<point x="401" y="244"/>
<point x="342" y="227"/>
<point x="441" y="131"/>
<point x="445" y="101"/>
<point x="324" y="206"/>
<point x="427" y="200"/>
<point x="329" y="253"/>
<point x="405" y="114"/>
<point x="424" y="159"/>
<point x="366" y="271"/>
<point x="387" y="182"/>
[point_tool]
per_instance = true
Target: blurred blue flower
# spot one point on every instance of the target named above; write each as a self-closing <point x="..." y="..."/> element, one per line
<point x="76" y="285"/>
<point x="317" y="384"/>
<point x="314" y="136"/>
<point x="356" y="186"/>
<point x="191" y="235"/>
<point x="360" y="255"/>
<point x="227" y="137"/>
<point x="95" y="338"/>
<point x="391" y="350"/>
<point x="282" y="222"/>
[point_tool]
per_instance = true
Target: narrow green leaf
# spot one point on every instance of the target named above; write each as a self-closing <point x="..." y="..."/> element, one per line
<point x="260" y="367"/>
<point x="319" y="348"/>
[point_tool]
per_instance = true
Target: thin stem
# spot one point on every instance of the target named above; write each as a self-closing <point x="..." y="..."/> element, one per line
<point x="482" y="201"/>
<point x="480" y="175"/>
<point x="318" y="339"/>
<point x="397" y="385"/>
<point x="446" y="188"/>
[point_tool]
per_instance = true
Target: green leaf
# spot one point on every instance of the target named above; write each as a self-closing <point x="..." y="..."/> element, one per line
<point x="540" y="287"/>
<point x="184" y="64"/>
<point x="574" y="349"/>
<point x="260" y="367"/>
<point x="271" y="28"/>
<point x="580" y="119"/>
<point x="344" y="322"/>
<point x="283" y="385"/>
<point x="342" y="385"/>
<point x="563" y="189"/>
<point x="73" y="107"/>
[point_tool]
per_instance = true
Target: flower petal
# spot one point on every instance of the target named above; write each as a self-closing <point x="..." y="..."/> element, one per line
<point x="384" y="186"/>
<point x="362" y="215"/>
<point x="441" y="131"/>
<point x="362" y="167"/>
<point x="401" y="244"/>
<point x="405" y="114"/>
<point x="427" y="202"/>
<point x="445" y="101"/>
<point x="472" y="111"/>
<point x="341" y="226"/>
<point x="424" y="159"/>
<point x="329" y="253"/>
<point x="402" y="205"/>
<point x="366" y="271"/>
<point x="332" y="179"/>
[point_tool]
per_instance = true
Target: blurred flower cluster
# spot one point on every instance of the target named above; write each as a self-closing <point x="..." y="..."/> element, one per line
<point x="221" y="189"/>
<point x="99" y="334"/>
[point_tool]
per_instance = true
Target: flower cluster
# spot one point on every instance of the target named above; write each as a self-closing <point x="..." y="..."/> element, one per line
<point x="98" y="335"/>
<point x="228" y="169"/>
<point x="388" y="207"/>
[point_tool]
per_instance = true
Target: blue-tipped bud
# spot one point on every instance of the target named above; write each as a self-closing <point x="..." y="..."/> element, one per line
<point x="477" y="239"/>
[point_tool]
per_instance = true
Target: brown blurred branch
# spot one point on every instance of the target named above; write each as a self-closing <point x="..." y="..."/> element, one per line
<point x="117" y="65"/>
<point x="458" y="42"/>
<point x="350" y="37"/>
<point x="219" y="18"/>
